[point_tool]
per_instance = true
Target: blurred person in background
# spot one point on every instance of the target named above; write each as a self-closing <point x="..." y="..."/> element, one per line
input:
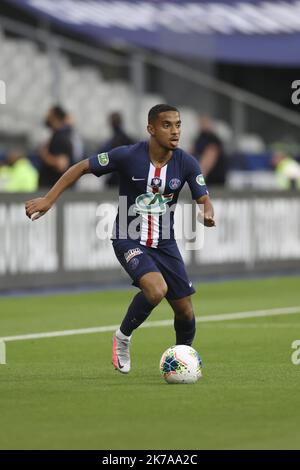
<point x="117" y="139"/>
<point x="19" y="174"/>
<point x="77" y="143"/>
<point x="57" y="155"/>
<point x="4" y="173"/>
<point x="287" y="171"/>
<point x="208" y="149"/>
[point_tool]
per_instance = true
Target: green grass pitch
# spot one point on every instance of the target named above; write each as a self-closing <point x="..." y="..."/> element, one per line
<point x="63" y="393"/>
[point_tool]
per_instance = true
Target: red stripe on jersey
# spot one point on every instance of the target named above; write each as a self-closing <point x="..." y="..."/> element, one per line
<point x="150" y="217"/>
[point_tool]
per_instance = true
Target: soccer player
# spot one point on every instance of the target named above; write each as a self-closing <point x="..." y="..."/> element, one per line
<point x="151" y="177"/>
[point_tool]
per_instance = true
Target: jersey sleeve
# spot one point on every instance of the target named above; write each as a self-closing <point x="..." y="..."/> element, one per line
<point x="107" y="162"/>
<point x="195" y="179"/>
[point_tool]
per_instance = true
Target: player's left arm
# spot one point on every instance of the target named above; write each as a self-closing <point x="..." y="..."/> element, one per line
<point x="206" y="215"/>
<point x="199" y="191"/>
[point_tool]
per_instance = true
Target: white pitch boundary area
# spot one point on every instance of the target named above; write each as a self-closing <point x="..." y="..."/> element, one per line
<point x="152" y="324"/>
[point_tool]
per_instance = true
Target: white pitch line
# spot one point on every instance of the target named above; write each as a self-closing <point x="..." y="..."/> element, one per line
<point x="153" y="324"/>
<point x="2" y="352"/>
<point x="251" y="325"/>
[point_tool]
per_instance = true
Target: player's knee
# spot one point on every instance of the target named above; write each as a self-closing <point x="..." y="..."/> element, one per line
<point x="184" y="314"/>
<point x="156" y="293"/>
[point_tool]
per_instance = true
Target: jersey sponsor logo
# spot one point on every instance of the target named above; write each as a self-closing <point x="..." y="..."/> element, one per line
<point x="103" y="159"/>
<point x="132" y="253"/>
<point x="174" y="183"/>
<point x="156" y="182"/>
<point x="152" y="203"/>
<point x="200" y="180"/>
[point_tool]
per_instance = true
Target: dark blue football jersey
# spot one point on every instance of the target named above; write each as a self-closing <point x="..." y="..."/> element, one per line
<point x="148" y="195"/>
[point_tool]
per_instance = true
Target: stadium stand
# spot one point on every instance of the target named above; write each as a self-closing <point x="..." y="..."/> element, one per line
<point x="29" y="72"/>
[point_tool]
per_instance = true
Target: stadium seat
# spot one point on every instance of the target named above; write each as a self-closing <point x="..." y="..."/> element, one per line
<point x="87" y="96"/>
<point x="251" y="143"/>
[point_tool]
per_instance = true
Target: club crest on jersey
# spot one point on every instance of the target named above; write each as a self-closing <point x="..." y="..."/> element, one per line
<point x="152" y="203"/>
<point x="103" y="159"/>
<point x="156" y="182"/>
<point x="134" y="263"/>
<point x="174" y="183"/>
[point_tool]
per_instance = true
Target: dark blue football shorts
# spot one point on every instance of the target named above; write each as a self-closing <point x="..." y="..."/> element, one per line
<point x="138" y="260"/>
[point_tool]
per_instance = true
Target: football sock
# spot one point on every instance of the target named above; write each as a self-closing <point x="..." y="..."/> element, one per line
<point x="120" y="335"/>
<point x="185" y="331"/>
<point x="138" y="311"/>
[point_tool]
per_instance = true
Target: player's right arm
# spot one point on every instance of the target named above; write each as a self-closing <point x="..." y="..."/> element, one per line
<point x="41" y="205"/>
<point x="99" y="165"/>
